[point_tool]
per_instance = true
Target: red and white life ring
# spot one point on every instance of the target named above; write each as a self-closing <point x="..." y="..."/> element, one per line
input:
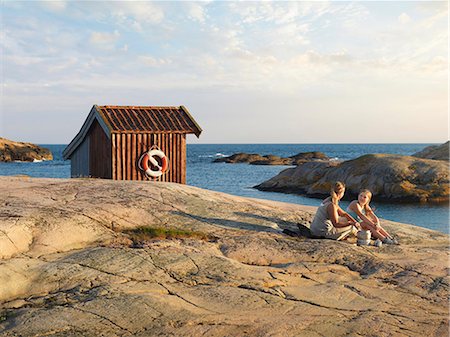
<point x="148" y="158"/>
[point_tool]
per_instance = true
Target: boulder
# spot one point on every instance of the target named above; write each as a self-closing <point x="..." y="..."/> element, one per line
<point x="68" y="267"/>
<point x="272" y="160"/>
<point x="256" y="159"/>
<point x="239" y="158"/>
<point x="389" y="177"/>
<point x="18" y="151"/>
<point x="436" y="152"/>
<point x="309" y="156"/>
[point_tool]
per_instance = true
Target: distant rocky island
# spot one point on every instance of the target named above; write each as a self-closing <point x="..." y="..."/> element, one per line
<point x="18" y="151"/>
<point x="389" y="177"/>
<point x="257" y="159"/>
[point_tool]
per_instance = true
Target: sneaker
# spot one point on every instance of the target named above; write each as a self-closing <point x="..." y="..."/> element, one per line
<point x="388" y="241"/>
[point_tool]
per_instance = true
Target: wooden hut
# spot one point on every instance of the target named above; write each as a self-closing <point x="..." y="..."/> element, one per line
<point x="114" y="139"/>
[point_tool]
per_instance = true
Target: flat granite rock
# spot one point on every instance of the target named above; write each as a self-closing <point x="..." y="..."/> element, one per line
<point x="68" y="269"/>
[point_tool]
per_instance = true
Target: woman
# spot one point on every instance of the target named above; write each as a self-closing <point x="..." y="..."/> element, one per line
<point x="330" y="221"/>
<point x="361" y="210"/>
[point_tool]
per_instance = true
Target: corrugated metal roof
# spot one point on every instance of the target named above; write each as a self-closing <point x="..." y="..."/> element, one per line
<point x="149" y="119"/>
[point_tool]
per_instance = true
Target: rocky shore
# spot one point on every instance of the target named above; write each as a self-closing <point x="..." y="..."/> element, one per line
<point x="18" y="151"/>
<point x="70" y="267"/>
<point x="435" y="152"/>
<point x="389" y="177"/>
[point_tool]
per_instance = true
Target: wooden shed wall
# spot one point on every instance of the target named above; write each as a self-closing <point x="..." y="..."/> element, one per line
<point x="99" y="152"/>
<point x="128" y="147"/>
<point x="79" y="160"/>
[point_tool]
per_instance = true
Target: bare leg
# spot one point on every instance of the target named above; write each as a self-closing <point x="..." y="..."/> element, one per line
<point x="376" y="233"/>
<point x="383" y="231"/>
<point x="380" y="229"/>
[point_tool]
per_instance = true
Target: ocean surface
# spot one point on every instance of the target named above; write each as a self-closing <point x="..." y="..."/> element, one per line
<point x="238" y="179"/>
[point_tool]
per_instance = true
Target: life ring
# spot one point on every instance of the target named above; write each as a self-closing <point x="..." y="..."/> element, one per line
<point x="148" y="157"/>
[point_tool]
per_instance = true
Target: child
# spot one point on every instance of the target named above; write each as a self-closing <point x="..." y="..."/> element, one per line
<point x="331" y="221"/>
<point x="361" y="210"/>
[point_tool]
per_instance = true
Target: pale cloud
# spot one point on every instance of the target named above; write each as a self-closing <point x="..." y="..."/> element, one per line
<point x="440" y="17"/>
<point x="128" y="15"/>
<point x="404" y="18"/>
<point x="312" y="58"/>
<point x="136" y="13"/>
<point x="154" y="62"/>
<point x="240" y="53"/>
<point x="352" y="14"/>
<point x="277" y="12"/>
<point x="104" y="40"/>
<point x="437" y="64"/>
<point x="8" y="42"/>
<point x="63" y="64"/>
<point x="24" y="60"/>
<point x="56" y="6"/>
<point x="197" y="11"/>
<point x="291" y="34"/>
<point x="92" y="62"/>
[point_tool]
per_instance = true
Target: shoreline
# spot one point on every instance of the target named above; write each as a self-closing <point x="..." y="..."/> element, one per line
<point x="223" y="177"/>
<point x="351" y="196"/>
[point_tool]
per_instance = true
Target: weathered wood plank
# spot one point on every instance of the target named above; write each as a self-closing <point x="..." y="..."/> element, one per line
<point x="183" y="159"/>
<point x="119" y="156"/>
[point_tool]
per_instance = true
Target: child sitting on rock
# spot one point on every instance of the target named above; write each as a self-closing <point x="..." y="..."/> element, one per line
<point x="361" y="210"/>
<point x="330" y="221"/>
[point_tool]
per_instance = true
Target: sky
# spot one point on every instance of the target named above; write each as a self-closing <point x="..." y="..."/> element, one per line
<point x="249" y="72"/>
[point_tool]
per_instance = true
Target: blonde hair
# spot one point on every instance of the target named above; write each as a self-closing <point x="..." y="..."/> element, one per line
<point x="369" y="195"/>
<point x="337" y="188"/>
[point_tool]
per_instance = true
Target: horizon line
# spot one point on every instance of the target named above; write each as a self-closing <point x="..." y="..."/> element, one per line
<point x="368" y="143"/>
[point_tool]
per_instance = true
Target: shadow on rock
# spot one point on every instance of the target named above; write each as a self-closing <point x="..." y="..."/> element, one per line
<point x="280" y="222"/>
<point x="234" y="224"/>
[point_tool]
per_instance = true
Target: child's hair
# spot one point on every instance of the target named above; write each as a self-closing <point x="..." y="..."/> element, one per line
<point x="369" y="195"/>
<point x="337" y="188"/>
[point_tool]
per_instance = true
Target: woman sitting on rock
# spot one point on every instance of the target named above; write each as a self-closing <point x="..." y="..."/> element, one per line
<point x="330" y="221"/>
<point x="361" y="210"/>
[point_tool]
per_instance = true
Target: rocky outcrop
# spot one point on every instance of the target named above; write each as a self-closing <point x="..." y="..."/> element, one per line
<point x="68" y="268"/>
<point x="309" y="156"/>
<point x="436" y="152"/>
<point x="17" y="151"/>
<point x="389" y="177"/>
<point x="256" y="159"/>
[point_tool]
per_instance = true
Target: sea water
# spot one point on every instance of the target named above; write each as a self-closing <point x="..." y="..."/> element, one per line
<point x="239" y="179"/>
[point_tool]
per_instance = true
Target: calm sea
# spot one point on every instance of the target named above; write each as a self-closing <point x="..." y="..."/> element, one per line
<point x="238" y="179"/>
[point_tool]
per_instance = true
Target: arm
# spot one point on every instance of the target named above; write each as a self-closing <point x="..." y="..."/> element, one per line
<point x="355" y="208"/>
<point x="351" y="220"/>
<point x="371" y="214"/>
<point x="333" y="215"/>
